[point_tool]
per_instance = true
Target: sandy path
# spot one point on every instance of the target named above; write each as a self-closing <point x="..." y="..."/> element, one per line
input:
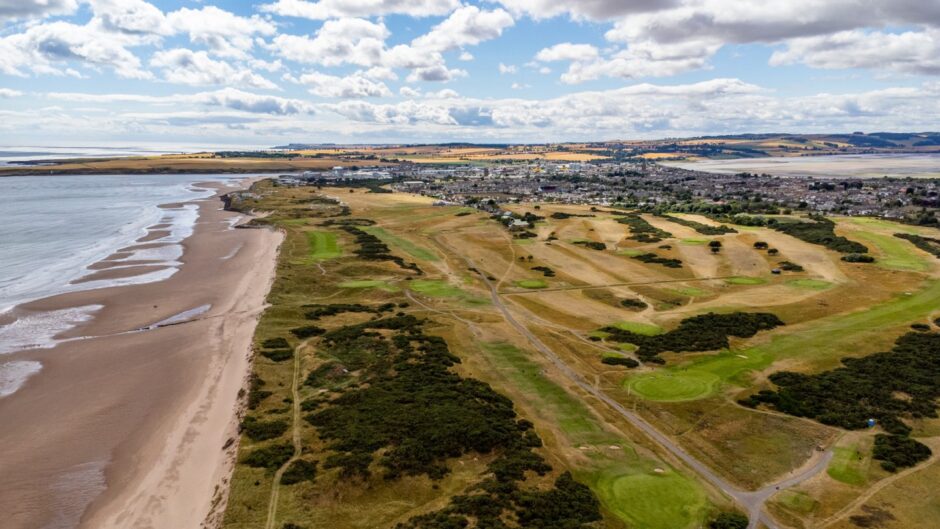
<point x="126" y="429"/>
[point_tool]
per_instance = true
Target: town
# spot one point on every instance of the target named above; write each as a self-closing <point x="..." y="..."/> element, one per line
<point x="646" y="185"/>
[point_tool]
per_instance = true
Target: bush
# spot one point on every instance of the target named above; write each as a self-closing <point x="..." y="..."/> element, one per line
<point x="858" y="258"/>
<point x="620" y="361"/>
<point x="278" y="355"/>
<point x="729" y="520"/>
<point x="258" y="430"/>
<point x="820" y="231"/>
<point x="897" y="451"/>
<point x="635" y="304"/>
<point x="299" y="470"/>
<point x="790" y="267"/>
<point x="655" y="259"/>
<point x="307" y="331"/>
<point x="592" y="245"/>
<point x="275" y="343"/>
<point x="270" y="457"/>
<point x="546" y="271"/>
<point x="643" y="231"/>
<point x="706" y="332"/>
<point x="704" y="229"/>
<point x="865" y="388"/>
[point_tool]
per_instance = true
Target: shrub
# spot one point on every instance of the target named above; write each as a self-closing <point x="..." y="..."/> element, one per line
<point x="275" y="343"/>
<point x="790" y="267"/>
<point x="635" y="304"/>
<point x="299" y="470"/>
<point x="706" y="332"/>
<point x="858" y="258"/>
<point x="307" y="331"/>
<point x="592" y="245"/>
<point x="897" y="451"/>
<point x="278" y="355"/>
<point x="865" y="388"/>
<point x="641" y="230"/>
<point x="655" y="259"/>
<point x="704" y="229"/>
<point x="729" y="520"/>
<point x="270" y="457"/>
<point x="258" y="430"/>
<point x="620" y="361"/>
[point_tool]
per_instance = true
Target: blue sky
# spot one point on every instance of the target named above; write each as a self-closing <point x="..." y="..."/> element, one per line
<point x="220" y="73"/>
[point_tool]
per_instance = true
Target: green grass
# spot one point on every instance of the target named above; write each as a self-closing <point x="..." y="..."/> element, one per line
<point x="531" y="283"/>
<point x="369" y="283"/>
<point x="740" y="280"/>
<point x="694" y="242"/>
<point x="412" y="249"/>
<point x="879" y="223"/>
<point x="691" y="292"/>
<point x="799" y="502"/>
<point x="323" y="245"/>
<point x="896" y="254"/>
<point x="523" y="242"/>
<point x="625" y="482"/>
<point x="435" y="288"/>
<point x="810" y="284"/>
<point x="645" y="329"/>
<point x="823" y="342"/>
<point x="848" y="465"/>
<point x="630" y="252"/>
<point x="674" y="386"/>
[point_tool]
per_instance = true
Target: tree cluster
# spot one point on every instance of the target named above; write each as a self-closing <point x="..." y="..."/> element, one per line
<point x="705" y="332"/>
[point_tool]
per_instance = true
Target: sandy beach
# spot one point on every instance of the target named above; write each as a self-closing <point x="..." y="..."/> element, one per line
<point x="130" y="424"/>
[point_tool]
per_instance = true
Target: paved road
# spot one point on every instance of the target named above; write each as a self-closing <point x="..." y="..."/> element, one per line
<point x="751" y="502"/>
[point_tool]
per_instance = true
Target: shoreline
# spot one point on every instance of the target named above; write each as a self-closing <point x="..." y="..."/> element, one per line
<point x="144" y="392"/>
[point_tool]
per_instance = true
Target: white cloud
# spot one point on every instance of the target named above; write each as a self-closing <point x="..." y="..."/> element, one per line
<point x="584" y="9"/>
<point x="520" y="86"/>
<point x="325" y="9"/>
<point x="40" y="47"/>
<point x="227" y="97"/>
<point x="507" y="69"/>
<point x="131" y="16"/>
<point x="438" y="73"/>
<point x="7" y="93"/>
<point x="445" y="93"/>
<point x="185" y="66"/>
<point x="467" y="26"/>
<point x="407" y="91"/>
<point x="36" y="8"/>
<point x="348" y="40"/>
<point x="915" y="52"/>
<point x="224" y="33"/>
<point x="567" y="51"/>
<point x="466" y="56"/>
<point x="352" y="86"/>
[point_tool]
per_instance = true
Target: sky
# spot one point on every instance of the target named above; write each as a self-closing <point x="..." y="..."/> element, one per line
<point x="214" y="73"/>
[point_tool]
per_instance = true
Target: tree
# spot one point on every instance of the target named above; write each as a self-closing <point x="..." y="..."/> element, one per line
<point x="729" y="520"/>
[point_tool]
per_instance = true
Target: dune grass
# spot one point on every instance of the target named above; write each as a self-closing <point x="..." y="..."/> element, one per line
<point x="369" y="283"/>
<point x="640" y="491"/>
<point x="323" y="245"/>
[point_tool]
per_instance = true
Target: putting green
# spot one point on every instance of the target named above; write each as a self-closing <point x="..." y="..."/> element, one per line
<point x="740" y="280"/>
<point x="645" y="329"/>
<point x="407" y="246"/>
<point x="811" y="284"/>
<point x="653" y="500"/>
<point x="531" y="283"/>
<point x="848" y="465"/>
<point x="674" y="386"/>
<point x="323" y="245"/>
<point x="369" y="283"/>
<point x="626" y="483"/>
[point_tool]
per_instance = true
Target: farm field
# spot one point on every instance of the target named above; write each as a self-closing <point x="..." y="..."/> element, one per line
<point x="563" y="329"/>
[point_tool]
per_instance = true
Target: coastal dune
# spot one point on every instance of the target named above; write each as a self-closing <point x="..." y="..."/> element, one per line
<point x="132" y="420"/>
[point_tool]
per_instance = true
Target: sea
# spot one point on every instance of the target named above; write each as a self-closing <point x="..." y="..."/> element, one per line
<point x="53" y="227"/>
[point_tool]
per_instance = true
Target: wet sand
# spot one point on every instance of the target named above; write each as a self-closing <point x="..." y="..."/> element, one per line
<point x="125" y="428"/>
